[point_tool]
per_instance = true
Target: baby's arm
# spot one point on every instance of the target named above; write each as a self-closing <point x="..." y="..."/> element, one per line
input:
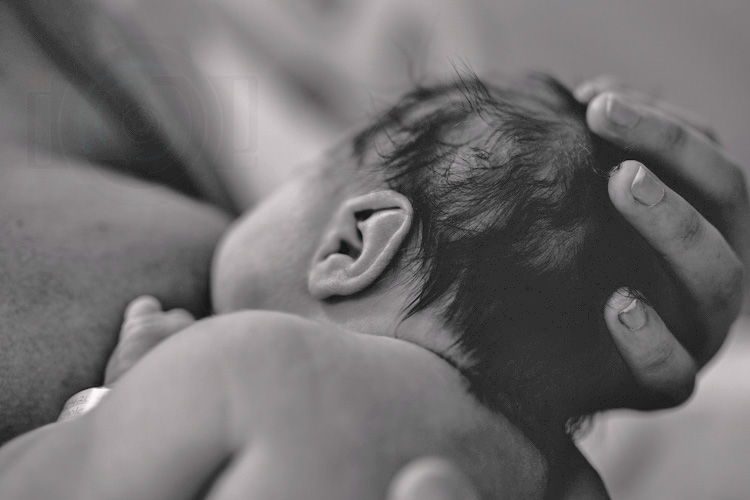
<point x="145" y="325"/>
<point x="188" y="411"/>
<point x="160" y="435"/>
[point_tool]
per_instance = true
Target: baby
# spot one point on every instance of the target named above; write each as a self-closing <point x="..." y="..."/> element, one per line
<point x="485" y="210"/>
<point x="467" y="228"/>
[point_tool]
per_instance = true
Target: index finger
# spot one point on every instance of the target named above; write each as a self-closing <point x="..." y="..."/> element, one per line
<point x="586" y="92"/>
<point x="684" y="151"/>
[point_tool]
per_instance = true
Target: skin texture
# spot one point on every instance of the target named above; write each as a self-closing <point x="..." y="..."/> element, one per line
<point x="708" y="251"/>
<point x="637" y="358"/>
<point x="279" y="376"/>
<point x="425" y="478"/>
<point x="124" y="235"/>
<point x="72" y="256"/>
<point x="688" y="151"/>
<point x="664" y="367"/>
<point x="295" y="267"/>
<point x="657" y="359"/>
<point x="78" y="241"/>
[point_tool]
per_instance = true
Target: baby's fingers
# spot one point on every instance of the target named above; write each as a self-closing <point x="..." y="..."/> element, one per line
<point x="156" y="326"/>
<point x="140" y="334"/>
<point x="141" y="306"/>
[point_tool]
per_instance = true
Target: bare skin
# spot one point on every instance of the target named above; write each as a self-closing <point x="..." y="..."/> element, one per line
<point x="71" y="257"/>
<point x="79" y="241"/>
<point x="257" y="391"/>
<point x="657" y="359"/>
<point x="710" y="262"/>
<point x="708" y="252"/>
<point x="681" y="364"/>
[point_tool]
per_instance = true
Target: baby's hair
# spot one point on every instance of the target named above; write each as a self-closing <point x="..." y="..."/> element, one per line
<point x="514" y="238"/>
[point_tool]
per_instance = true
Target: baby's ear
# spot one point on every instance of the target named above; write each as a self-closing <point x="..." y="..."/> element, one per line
<point x="361" y="240"/>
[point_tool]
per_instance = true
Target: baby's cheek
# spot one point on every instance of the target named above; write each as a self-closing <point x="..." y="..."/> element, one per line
<point x="232" y="289"/>
<point x="240" y="282"/>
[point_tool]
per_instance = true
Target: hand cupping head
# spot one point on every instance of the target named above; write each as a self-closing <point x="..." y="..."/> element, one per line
<point x="483" y="207"/>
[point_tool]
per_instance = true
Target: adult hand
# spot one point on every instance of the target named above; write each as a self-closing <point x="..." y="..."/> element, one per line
<point x="705" y="251"/>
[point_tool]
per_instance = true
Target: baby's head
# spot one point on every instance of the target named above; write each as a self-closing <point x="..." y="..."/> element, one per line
<point x="471" y="219"/>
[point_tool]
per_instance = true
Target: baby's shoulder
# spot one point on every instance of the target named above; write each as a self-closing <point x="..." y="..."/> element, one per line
<point x="306" y="386"/>
<point x="312" y="349"/>
<point x="294" y="355"/>
<point x="310" y="367"/>
<point x="286" y="337"/>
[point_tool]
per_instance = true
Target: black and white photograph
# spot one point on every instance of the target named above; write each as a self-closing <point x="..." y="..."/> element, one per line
<point x="374" y="250"/>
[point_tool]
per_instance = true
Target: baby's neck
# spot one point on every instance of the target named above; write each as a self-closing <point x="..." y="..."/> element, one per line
<point x="546" y="430"/>
<point x="383" y="316"/>
<point x="544" y="412"/>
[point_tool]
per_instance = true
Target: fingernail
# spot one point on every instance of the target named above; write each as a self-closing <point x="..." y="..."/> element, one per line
<point x="620" y="113"/>
<point x="646" y="189"/>
<point x="633" y="316"/>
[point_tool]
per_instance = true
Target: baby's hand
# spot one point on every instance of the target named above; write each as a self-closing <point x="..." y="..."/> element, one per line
<point x="144" y="326"/>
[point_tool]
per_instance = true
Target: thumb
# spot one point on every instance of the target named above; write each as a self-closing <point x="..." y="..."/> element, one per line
<point x="431" y="478"/>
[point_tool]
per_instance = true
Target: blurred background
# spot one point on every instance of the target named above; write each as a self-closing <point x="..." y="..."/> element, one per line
<point x="323" y="66"/>
<point x="270" y="84"/>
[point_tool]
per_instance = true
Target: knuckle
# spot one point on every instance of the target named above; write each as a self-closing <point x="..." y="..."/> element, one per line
<point x="144" y="301"/>
<point x="728" y="295"/>
<point x="658" y="360"/>
<point x="144" y="325"/>
<point x="674" y="136"/>
<point x="690" y="231"/>
<point x="736" y="280"/>
<point x="736" y="197"/>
